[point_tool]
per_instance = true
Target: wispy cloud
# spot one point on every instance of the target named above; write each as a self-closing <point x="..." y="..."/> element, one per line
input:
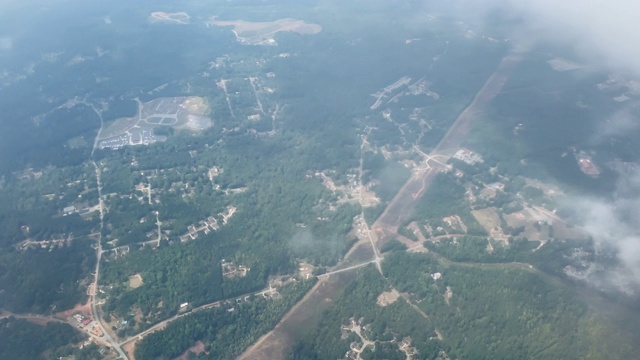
<point x="605" y="33"/>
<point x="613" y="226"/>
<point x="620" y="124"/>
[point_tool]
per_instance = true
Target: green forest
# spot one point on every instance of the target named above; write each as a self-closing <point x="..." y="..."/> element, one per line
<point x="226" y="330"/>
<point x="481" y="311"/>
<point x="41" y="281"/>
<point x="506" y="311"/>
<point x="386" y="326"/>
<point x="22" y="340"/>
<point x="282" y="115"/>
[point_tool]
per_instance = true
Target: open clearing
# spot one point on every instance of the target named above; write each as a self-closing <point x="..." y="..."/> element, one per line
<point x="448" y="295"/>
<point x="135" y="281"/>
<point x="415" y="229"/>
<point x="368" y="198"/>
<point x="262" y="33"/>
<point x="130" y="349"/>
<point x="387" y="298"/>
<point x="529" y="216"/>
<point x="196" y="348"/>
<point x="169" y="18"/>
<point x="490" y="221"/>
<point x="79" y="308"/>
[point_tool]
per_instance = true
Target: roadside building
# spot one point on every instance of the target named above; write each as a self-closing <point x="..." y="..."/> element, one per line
<point x="69" y="210"/>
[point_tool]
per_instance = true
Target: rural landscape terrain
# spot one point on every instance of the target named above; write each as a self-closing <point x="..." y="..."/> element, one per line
<point x="280" y="180"/>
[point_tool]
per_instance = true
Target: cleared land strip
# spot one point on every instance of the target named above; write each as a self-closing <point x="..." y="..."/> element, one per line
<point x="276" y="343"/>
<point x="492" y="87"/>
<point x="404" y="200"/>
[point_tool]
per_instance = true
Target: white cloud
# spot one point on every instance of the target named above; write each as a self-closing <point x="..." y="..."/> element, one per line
<point x="621" y="123"/>
<point x="613" y="225"/>
<point x="605" y="32"/>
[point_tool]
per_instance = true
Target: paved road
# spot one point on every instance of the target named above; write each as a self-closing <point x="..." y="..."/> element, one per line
<point x="327" y="274"/>
<point x="92" y="298"/>
<point x="163" y="323"/>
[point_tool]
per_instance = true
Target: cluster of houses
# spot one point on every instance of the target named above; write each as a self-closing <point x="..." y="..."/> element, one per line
<point x="230" y="270"/>
<point x="208" y="225"/>
<point x="72" y="209"/>
<point x="468" y="156"/>
<point x="44" y="244"/>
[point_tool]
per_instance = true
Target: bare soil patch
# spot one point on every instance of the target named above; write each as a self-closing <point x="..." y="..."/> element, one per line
<point x="197" y="348"/>
<point x="489" y="247"/>
<point x="542" y="243"/>
<point x="84" y="309"/>
<point x="129" y="349"/>
<point x="118" y="126"/>
<point x="135" y="281"/>
<point x="387" y="298"/>
<point x="412" y="246"/>
<point x="196" y="105"/>
<point x="448" y="295"/>
<point x="368" y="198"/>
<point x="490" y="221"/>
<point x="139" y="315"/>
<point x="38" y="321"/>
<point x="415" y="228"/>
<point x="418" y="248"/>
<point x="262" y="33"/>
<point x="169" y="18"/>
